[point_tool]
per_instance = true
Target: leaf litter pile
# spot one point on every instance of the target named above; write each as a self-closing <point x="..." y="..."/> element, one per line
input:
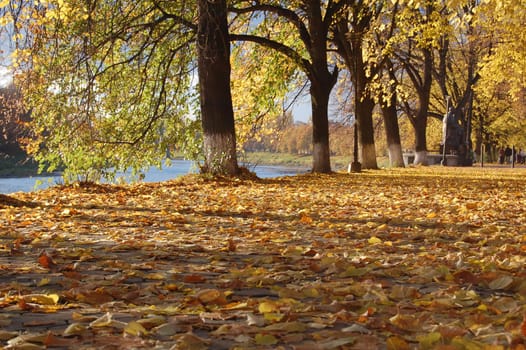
<point x="425" y="258"/>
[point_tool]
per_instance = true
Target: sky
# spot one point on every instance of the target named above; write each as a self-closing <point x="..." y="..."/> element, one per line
<point x="302" y="111"/>
<point x="5" y="76"/>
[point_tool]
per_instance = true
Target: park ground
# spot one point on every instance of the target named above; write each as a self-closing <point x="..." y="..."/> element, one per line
<point x="416" y="258"/>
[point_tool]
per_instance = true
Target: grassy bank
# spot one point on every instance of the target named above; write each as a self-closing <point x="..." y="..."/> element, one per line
<point x="287" y="159"/>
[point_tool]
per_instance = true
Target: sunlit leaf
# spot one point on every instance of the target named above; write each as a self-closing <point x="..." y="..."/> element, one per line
<point x="374" y="240"/>
<point x="135" y="329"/>
<point x="74" y="329"/>
<point x="268" y="306"/>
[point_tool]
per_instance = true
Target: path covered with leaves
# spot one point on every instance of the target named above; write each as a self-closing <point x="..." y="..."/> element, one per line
<point x="430" y="258"/>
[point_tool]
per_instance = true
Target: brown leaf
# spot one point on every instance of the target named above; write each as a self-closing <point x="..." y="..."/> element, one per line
<point x="194" y="279"/>
<point x="232" y="245"/>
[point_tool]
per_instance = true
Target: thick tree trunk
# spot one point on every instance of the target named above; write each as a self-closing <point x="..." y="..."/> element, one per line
<point x="392" y="133"/>
<point x="322" y="81"/>
<point x="213" y="49"/>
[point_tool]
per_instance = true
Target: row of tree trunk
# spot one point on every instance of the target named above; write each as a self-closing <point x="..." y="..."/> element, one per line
<point x="216" y="102"/>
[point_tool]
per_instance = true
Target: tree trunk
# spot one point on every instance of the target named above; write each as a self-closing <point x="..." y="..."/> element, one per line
<point x="321" y="161"/>
<point x="392" y="133"/>
<point x="420" y="140"/>
<point x="349" y="43"/>
<point x="364" y="106"/>
<point x="364" y="113"/>
<point x="420" y="120"/>
<point x="217" y="115"/>
<point x="322" y="81"/>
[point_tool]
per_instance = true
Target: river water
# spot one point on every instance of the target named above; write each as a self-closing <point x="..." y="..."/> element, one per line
<point x="177" y="168"/>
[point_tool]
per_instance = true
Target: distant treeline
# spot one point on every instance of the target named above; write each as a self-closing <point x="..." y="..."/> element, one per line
<point x="13" y="121"/>
<point x="296" y="138"/>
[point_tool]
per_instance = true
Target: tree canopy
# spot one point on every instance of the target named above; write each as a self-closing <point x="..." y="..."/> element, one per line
<point x="113" y="85"/>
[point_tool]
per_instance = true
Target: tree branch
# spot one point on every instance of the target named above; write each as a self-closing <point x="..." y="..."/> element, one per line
<point x="303" y="63"/>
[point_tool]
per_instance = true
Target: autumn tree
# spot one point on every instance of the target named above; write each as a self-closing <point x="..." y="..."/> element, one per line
<point x="350" y="35"/>
<point x="213" y="47"/>
<point x="420" y="28"/>
<point x="112" y="83"/>
<point x="500" y="92"/>
<point x="13" y="120"/>
<point x="308" y="21"/>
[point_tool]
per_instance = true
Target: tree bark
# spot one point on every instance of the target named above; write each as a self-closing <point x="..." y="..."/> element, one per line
<point x="217" y="115"/>
<point x="420" y="122"/>
<point x="392" y="132"/>
<point x="322" y="81"/>
<point x="321" y="160"/>
<point x="349" y="43"/>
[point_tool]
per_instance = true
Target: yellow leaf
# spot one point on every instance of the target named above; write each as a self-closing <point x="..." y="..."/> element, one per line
<point x="268" y="306"/>
<point x="42" y="299"/>
<point x="273" y="316"/>
<point x="374" y="240"/>
<point x="135" y="329"/>
<point x="482" y="307"/>
<point x="265" y="339"/>
<point x="43" y="282"/>
<point x="382" y="227"/>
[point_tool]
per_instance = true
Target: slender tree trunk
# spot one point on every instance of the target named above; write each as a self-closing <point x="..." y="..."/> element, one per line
<point x="321" y="160"/>
<point x="364" y="106"/>
<point x="349" y="44"/>
<point x="364" y="113"/>
<point x="420" y="120"/>
<point x="392" y="133"/>
<point x="420" y="140"/>
<point x="213" y="48"/>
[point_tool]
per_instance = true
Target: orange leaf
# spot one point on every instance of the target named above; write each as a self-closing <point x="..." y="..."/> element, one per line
<point x="46" y="261"/>
<point x="305" y="219"/>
